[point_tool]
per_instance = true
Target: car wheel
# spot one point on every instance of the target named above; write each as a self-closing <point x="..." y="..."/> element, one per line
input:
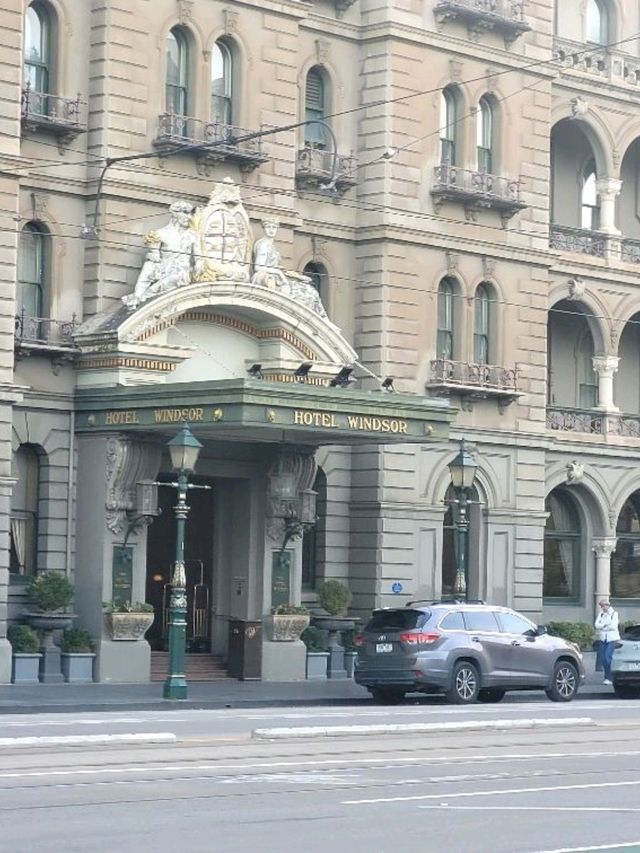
<point x="625" y="691"/>
<point x="564" y="684"/>
<point x="387" y="695"/>
<point x="465" y="684"/>
<point x="491" y="694"/>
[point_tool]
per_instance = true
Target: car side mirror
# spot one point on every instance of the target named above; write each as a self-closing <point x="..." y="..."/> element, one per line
<point x="541" y="631"/>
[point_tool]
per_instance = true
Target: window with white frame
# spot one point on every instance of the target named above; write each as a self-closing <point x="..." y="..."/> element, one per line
<point x="222" y="83"/>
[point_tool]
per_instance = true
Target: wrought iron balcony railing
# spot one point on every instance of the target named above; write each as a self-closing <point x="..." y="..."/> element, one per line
<point x="315" y="167"/>
<point x="34" y="334"/>
<point x="575" y="420"/>
<point x="210" y="141"/>
<point x="477" y="189"/>
<point x="505" y="16"/>
<point x="473" y="381"/>
<point x="600" y="61"/>
<point x="630" y="251"/>
<point x="61" y="116"/>
<point x="579" y="240"/>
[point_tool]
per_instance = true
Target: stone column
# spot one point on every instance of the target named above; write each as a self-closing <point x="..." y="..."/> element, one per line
<point x="606" y="366"/>
<point x="602" y="548"/>
<point x="608" y="190"/>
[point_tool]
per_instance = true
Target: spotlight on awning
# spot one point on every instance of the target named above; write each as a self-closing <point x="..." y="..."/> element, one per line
<point x="303" y="371"/>
<point x="256" y="371"/>
<point x="388" y="384"/>
<point x="342" y="378"/>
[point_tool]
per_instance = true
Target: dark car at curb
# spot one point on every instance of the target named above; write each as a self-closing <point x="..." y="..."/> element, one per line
<point x="468" y="652"/>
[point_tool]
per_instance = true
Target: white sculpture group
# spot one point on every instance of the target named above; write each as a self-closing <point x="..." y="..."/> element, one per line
<point x="215" y="242"/>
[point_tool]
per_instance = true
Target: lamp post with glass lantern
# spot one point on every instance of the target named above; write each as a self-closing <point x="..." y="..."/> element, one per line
<point x="183" y="449"/>
<point x="463" y="471"/>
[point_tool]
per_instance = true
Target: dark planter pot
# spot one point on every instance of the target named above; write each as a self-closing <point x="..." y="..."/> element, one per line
<point x="77" y="667"/>
<point x="334" y="625"/>
<point x="317" y="663"/>
<point x="47" y="623"/>
<point x="26" y="668"/>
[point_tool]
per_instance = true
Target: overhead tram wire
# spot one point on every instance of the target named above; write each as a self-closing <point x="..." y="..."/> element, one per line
<point x="381" y="102"/>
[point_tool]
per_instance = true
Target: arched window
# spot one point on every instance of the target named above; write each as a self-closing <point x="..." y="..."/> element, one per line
<point x="318" y="275"/>
<point x="562" y="547"/>
<point x="37" y="57"/>
<point x="315" y="108"/>
<point x="444" y="343"/>
<point x="484" y="131"/>
<point x="597" y="23"/>
<point x="590" y="203"/>
<point x="314" y="537"/>
<point x="33" y="263"/>
<point x="177" y="73"/>
<point x="625" y="561"/>
<point x="24" y="512"/>
<point x="221" y="83"/>
<point x="448" y="127"/>
<point x="482" y="323"/>
<point x="587" y="382"/>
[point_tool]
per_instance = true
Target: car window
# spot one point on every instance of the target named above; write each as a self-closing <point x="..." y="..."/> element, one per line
<point x="481" y="620"/>
<point x="453" y="622"/>
<point x="396" y="620"/>
<point x="513" y="623"/>
<point x="632" y="632"/>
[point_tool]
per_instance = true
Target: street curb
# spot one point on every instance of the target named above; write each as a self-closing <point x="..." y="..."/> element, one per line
<point x="415" y="728"/>
<point x="92" y="740"/>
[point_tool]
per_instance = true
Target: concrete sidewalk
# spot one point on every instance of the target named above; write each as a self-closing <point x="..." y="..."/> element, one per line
<point x="63" y="698"/>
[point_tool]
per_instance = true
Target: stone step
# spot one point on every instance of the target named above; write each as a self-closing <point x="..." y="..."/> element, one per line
<point x="200" y="667"/>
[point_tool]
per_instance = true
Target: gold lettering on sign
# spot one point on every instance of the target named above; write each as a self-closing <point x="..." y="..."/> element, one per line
<point x="121" y="418"/>
<point x="364" y="423"/>
<point x="173" y="416"/>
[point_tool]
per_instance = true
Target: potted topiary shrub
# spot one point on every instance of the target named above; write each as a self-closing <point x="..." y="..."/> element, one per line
<point x="49" y="595"/>
<point x="77" y="656"/>
<point x="334" y="598"/>
<point x="317" y="653"/>
<point x="287" y="622"/>
<point x="25" y="645"/>
<point x="128" y="621"/>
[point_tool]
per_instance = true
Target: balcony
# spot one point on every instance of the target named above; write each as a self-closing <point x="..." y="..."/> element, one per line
<point x="473" y="382"/>
<point x="318" y="169"/>
<point x="476" y="190"/>
<point x="504" y="16"/>
<point x="604" y="62"/>
<point x="630" y="251"/>
<point x="590" y="422"/>
<point x="210" y="142"/>
<point x="61" y="117"/>
<point x="43" y="336"/>
<point x="579" y="240"/>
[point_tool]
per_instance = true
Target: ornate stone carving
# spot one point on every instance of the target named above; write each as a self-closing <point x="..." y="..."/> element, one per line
<point x="302" y="467"/>
<point x="170" y="257"/>
<point x="453" y="261"/>
<point x="323" y="49"/>
<point x="223" y="235"/>
<point x="342" y="6"/>
<point x="230" y="17"/>
<point x="39" y="205"/>
<point x="128" y="461"/>
<point x="268" y="272"/>
<point x="575" y="472"/>
<point x="576" y="288"/>
<point x="185" y="11"/>
<point x="488" y="267"/>
<point x="604" y="547"/>
<point x="579" y="106"/>
<point x="455" y="70"/>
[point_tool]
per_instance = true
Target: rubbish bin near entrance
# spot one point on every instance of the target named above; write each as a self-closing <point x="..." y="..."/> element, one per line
<point x="244" y="660"/>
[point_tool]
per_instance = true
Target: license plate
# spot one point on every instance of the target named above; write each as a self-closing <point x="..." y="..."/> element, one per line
<point x="634" y="665"/>
<point x="384" y="647"/>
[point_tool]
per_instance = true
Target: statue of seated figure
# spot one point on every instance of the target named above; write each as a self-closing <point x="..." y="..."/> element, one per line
<point x="170" y="257"/>
<point x="268" y="272"/>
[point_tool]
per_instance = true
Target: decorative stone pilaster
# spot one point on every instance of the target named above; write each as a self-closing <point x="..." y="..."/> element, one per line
<point x="608" y="190"/>
<point x="606" y="366"/>
<point x="602" y="548"/>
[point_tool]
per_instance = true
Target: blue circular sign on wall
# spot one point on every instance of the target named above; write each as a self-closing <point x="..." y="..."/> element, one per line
<point x="396" y="588"/>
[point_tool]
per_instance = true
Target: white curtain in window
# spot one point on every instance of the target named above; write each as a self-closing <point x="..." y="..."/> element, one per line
<point x="562" y="522"/>
<point x="19" y="536"/>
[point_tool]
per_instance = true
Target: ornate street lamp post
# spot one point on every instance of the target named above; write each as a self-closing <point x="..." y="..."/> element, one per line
<point x="184" y="449"/>
<point x="463" y="471"/>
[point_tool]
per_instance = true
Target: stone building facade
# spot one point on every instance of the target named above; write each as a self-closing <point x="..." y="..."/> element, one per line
<point x="470" y="219"/>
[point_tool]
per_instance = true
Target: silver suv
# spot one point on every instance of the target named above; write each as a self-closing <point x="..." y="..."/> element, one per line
<point x="467" y="651"/>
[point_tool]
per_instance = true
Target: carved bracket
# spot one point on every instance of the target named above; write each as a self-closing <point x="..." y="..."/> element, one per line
<point x="128" y="461"/>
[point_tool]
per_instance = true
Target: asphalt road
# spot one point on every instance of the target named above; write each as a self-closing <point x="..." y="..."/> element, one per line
<point x="215" y="788"/>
